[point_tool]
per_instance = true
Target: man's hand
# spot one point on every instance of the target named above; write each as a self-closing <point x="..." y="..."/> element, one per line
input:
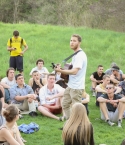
<point x="49" y="98"/>
<point x="31" y="96"/>
<point x="21" y="53"/>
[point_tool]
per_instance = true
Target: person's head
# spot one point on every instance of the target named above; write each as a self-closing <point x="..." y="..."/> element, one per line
<point x="100" y="69"/>
<point x="16" y="33"/>
<point x="113" y="64"/>
<point x="115" y="70"/>
<point x="40" y="63"/>
<point x="75" y="41"/>
<point x="106" y="79"/>
<point x="110" y="88"/>
<point x="78" y="118"/>
<point x="19" y="79"/>
<point x="10" y="73"/>
<point x="36" y="75"/>
<point x="51" y="78"/>
<point x="11" y="113"/>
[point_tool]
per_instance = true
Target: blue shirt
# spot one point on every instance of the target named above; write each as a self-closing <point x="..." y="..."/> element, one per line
<point x="16" y="91"/>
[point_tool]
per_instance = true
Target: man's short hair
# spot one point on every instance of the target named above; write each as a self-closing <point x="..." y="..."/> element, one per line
<point x="78" y="37"/>
<point x="39" y="60"/>
<point x="35" y="71"/>
<point x="7" y="72"/>
<point x="113" y="64"/>
<point x="51" y="74"/>
<point x="106" y="76"/>
<point x="100" y="66"/>
<point x="111" y="84"/>
<point x="16" y="33"/>
<point x="115" y="68"/>
<point x="18" y="75"/>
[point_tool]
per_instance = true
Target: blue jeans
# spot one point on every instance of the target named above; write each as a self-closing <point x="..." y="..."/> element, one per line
<point x="7" y="95"/>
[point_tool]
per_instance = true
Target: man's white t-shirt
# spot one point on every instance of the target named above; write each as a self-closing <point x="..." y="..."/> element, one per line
<point x="45" y="92"/>
<point x="43" y="70"/>
<point x="8" y="82"/>
<point x="78" y="61"/>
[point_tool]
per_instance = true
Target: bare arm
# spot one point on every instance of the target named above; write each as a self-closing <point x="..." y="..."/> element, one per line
<point x="25" y="49"/>
<point x="31" y="82"/>
<point x="5" y="85"/>
<point x="73" y="71"/>
<point x="112" y="78"/>
<point x="19" y="136"/>
<point x="10" y="48"/>
<point x="6" y="135"/>
<point x="118" y="90"/>
<point x="102" y="100"/>
<point x="93" y="79"/>
<point x="99" y="89"/>
<point x="60" y="94"/>
<point x="21" y="98"/>
<point x="87" y="99"/>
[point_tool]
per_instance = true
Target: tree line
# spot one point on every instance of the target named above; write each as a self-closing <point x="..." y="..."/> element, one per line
<point x="101" y="14"/>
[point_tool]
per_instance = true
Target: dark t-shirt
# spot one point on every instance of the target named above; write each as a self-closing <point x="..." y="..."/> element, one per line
<point x="97" y="77"/>
<point x="110" y="107"/>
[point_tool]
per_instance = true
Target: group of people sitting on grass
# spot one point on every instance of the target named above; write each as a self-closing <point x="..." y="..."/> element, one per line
<point x="43" y="93"/>
<point x="109" y="89"/>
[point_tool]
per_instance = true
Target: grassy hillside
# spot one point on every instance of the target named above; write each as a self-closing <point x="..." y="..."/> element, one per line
<point x="51" y="43"/>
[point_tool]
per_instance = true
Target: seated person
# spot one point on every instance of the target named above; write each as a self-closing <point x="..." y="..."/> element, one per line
<point x="9" y="133"/>
<point x="36" y="82"/>
<point x="8" y="82"/>
<point x="78" y="130"/>
<point x="58" y="74"/>
<point x="101" y="88"/>
<point x="109" y="71"/>
<point x="85" y="101"/>
<point x="23" y="96"/>
<point x="112" y="106"/>
<point x="96" y="78"/>
<point x="40" y="68"/>
<point x="50" y="98"/>
<point x="122" y="88"/>
<point x="116" y="77"/>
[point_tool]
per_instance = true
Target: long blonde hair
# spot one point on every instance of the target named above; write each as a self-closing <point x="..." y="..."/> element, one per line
<point x="78" y="119"/>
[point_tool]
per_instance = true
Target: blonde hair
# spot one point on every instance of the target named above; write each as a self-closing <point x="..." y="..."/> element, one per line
<point x="78" y="120"/>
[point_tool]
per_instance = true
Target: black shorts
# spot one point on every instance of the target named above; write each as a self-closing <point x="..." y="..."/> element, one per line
<point x="17" y="63"/>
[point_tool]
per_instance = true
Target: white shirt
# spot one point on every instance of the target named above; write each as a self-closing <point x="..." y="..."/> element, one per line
<point x="78" y="61"/>
<point x="43" y="70"/>
<point x="45" y="92"/>
<point x="8" y="82"/>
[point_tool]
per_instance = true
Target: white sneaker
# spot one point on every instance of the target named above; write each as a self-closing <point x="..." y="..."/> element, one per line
<point x="110" y="123"/>
<point x="119" y="123"/>
<point x="94" y="94"/>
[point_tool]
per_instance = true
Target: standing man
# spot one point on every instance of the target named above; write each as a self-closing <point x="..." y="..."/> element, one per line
<point x="14" y="45"/>
<point x="76" y="83"/>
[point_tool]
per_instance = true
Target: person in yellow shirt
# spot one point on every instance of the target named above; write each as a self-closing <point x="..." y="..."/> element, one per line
<point x="14" y="45"/>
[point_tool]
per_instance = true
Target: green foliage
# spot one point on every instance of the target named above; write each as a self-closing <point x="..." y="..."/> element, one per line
<point x="51" y="43"/>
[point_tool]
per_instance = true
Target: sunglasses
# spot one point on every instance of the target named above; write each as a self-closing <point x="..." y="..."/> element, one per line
<point x="108" y="88"/>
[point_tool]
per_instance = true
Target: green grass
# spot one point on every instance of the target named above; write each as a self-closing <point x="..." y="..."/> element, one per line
<point x="51" y="43"/>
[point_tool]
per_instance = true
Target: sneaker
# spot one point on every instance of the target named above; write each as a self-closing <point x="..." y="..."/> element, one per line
<point x="119" y="123"/>
<point x="110" y="123"/>
<point x="62" y="118"/>
<point x="94" y="94"/>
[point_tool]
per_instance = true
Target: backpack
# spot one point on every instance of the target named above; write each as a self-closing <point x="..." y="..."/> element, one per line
<point x="20" y="43"/>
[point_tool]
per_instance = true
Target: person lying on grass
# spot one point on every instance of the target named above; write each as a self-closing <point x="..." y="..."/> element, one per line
<point x="112" y="106"/>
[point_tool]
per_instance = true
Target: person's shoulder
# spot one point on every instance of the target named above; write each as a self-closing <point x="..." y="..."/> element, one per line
<point x="4" y="79"/>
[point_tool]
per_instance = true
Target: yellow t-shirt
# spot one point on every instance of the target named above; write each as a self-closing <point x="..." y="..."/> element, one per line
<point x="16" y="43"/>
